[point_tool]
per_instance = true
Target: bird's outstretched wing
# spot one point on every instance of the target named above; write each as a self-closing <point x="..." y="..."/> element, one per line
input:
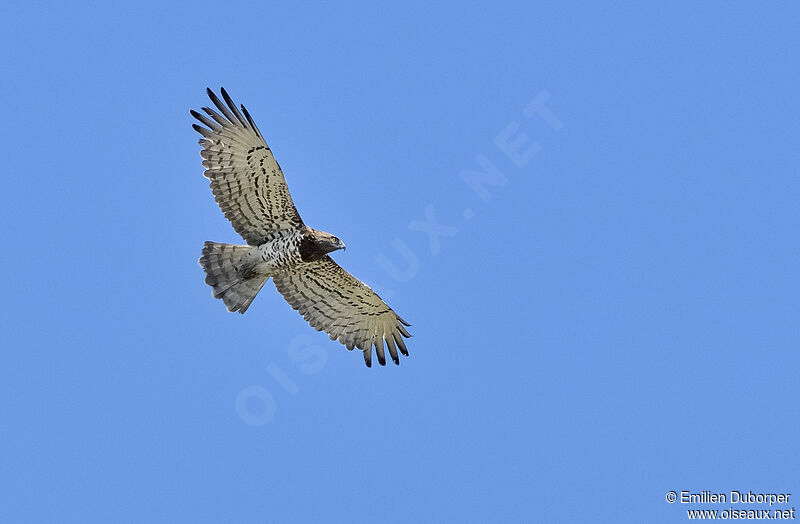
<point x="334" y="301"/>
<point x="247" y="181"/>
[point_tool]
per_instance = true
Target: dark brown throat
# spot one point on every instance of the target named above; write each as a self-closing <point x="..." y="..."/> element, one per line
<point x="311" y="249"/>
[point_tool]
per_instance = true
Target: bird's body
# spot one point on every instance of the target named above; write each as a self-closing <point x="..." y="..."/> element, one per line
<point x="277" y="254"/>
<point x="280" y="253"/>
<point x="250" y="188"/>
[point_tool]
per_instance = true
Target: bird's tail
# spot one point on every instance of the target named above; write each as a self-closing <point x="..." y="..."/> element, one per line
<point x="227" y="273"/>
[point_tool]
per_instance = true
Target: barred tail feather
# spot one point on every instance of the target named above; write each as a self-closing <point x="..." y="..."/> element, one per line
<point x="227" y="277"/>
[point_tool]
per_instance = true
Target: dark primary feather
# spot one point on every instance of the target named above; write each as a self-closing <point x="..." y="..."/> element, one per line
<point x="203" y="131"/>
<point x="232" y="107"/>
<point x="206" y="122"/>
<point x="217" y="102"/>
<point x="216" y="116"/>
<point x="250" y="120"/>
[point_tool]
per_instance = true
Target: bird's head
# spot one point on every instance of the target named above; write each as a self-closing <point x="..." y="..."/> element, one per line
<point x="317" y="244"/>
<point x="330" y="242"/>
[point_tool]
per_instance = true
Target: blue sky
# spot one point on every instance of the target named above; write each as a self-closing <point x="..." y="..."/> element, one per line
<point x="615" y="316"/>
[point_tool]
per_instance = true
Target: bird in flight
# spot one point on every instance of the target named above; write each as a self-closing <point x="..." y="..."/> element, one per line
<point x="250" y="188"/>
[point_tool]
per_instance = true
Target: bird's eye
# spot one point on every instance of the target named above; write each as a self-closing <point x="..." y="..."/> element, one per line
<point x="335" y="240"/>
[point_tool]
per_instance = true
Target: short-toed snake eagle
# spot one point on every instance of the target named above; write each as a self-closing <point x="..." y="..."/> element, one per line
<point x="250" y="188"/>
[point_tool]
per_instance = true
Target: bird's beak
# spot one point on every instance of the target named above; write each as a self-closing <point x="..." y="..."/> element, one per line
<point x="344" y="247"/>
